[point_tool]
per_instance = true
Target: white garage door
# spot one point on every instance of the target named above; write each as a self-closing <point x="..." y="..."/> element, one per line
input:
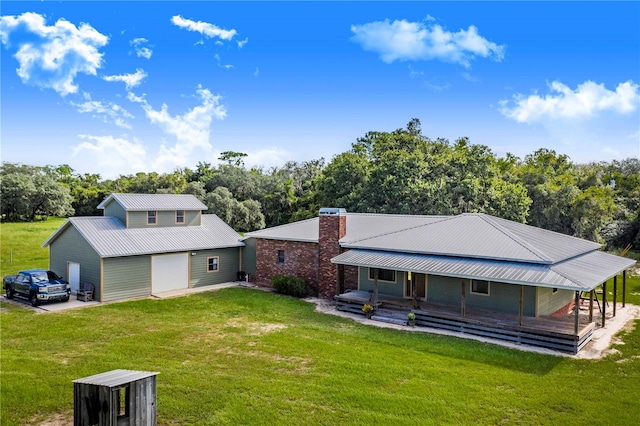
<point x="169" y="272"/>
<point x="73" y="275"/>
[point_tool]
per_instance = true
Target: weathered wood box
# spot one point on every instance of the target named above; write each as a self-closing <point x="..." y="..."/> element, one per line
<point x="118" y="397"/>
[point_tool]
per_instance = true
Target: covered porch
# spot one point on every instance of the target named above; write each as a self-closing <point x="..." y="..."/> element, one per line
<point x="511" y="311"/>
<point x="558" y="333"/>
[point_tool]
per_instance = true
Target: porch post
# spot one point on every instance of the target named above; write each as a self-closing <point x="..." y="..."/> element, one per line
<point x="591" y="305"/>
<point x="615" y="294"/>
<point x="576" y="312"/>
<point x="338" y="281"/>
<point x="604" y="302"/>
<point x="624" y="287"/>
<point x="414" y="291"/>
<point x="375" y="288"/>
<point x="462" y="301"/>
<point x="521" y="309"/>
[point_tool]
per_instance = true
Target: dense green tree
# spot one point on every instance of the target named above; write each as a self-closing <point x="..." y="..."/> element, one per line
<point x="30" y="191"/>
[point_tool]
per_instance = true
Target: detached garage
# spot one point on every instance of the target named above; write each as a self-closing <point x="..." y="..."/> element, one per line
<point x="146" y="244"/>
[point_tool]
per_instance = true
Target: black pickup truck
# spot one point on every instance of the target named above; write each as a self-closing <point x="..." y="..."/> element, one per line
<point x="37" y="285"/>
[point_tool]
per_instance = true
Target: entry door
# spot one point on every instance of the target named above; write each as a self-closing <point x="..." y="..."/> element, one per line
<point x="169" y="272"/>
<point x="73" y="275"/>
<point x="420" y="282"/>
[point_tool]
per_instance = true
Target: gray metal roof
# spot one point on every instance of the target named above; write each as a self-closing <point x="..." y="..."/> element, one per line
<point x="479" y="236"/>
<point x="467" y="235"/>
<point x="116" y="378"/>
<point x="359" y="226"/>
<point x="144" y="202"/>
<point x="582" y="273"/>
<point x="110" y="238"/>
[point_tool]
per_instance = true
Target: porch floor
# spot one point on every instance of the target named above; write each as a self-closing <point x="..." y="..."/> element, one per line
<point x="545" y="331"/>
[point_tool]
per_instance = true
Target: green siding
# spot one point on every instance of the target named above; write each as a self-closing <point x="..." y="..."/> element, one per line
<point x="126" y="277"/>
<point x="229" y="265"/>
<point x="249" y="256"/>
<point x="395" y="289"/>
<point x="163" y="219"/>
<point x="70" y="246"/>
<point x="502" y="297"/>
<point x="549" y="302"/>
<point x="115" y="209"/>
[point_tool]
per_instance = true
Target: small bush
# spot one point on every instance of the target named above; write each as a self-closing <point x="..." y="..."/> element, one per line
<point x="292" y="286"/>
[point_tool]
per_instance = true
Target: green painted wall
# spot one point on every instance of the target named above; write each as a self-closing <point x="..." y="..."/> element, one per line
<point x="228" y="265"/>
<point x="115" y="209"/>
<point x="126" y="277"/>
<point x="549" y="302"/>
<point x="163" y="218"/>
<point x="395" y="289"/>
<point x="70" y="246"/>
<point x="249" y="256"/>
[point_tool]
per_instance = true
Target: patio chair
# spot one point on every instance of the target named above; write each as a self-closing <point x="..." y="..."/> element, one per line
<point x="86" y="292"/>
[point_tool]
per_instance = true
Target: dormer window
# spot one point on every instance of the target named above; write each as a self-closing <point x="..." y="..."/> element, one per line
<point x="152" y="217"/>
<point x="180" y="216"/>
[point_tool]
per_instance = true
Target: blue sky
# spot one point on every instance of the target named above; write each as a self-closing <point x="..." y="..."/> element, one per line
<point x="120" y="87"/>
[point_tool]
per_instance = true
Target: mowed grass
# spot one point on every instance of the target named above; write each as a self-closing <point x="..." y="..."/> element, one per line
<point x="244" y="356"/>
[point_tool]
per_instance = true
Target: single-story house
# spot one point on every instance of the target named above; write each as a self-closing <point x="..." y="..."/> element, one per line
<point x="458" y="264"/>
<point x="145" y="244"/>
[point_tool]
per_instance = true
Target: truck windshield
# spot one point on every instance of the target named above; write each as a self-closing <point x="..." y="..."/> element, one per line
<point x="38" y="277"/>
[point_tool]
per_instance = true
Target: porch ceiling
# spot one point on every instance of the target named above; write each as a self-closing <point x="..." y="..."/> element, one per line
<point x="582" y="273"/>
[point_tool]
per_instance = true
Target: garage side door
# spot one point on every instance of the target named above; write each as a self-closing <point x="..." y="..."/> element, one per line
<point x="169" y="272"/>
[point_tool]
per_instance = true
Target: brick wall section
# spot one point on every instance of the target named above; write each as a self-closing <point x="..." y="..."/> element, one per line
<point x="332" y="228"/>
<point x="350" y="278"/>
<point x="300" y="260"/>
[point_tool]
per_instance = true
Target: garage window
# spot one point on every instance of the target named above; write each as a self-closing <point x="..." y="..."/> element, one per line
<point x="213" y="264"/>
<point x="180" y="216"/>
<point x="151" y="217"/>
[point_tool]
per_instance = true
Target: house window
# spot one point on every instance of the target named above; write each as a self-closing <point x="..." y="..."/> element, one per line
<point x="480" y="287"/>
<point x="213" y="264"/>
<point x="383" y="275"/>
<point x="151" y="217"/>
<point x="280" y="256"/>
<point x="180" y="216"/>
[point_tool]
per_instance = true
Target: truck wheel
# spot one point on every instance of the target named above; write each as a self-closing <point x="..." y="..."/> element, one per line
<point x="10" y="292"/>
<point x="33" y="298"/>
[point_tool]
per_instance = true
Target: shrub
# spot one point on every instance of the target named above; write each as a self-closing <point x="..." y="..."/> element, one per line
<point x="292" y="286"/>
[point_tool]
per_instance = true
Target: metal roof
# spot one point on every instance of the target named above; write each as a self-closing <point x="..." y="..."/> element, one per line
<point x="479" y="236"/>
<point x="570" y="274"/>
<point x="110" y="238"/>
<point x="145" y="202"/>
<point x="359" y="226"/>
<point x="116" y="378"/>
<point x="467" y="235"/>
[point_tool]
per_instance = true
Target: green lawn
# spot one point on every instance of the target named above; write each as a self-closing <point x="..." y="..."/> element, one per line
<point x="243" y="356"/>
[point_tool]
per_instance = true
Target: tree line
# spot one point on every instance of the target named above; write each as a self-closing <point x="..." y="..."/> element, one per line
<point x="401" y="171"/>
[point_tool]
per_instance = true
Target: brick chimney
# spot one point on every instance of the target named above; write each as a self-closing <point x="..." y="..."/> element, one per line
<point x="333" y="226"/>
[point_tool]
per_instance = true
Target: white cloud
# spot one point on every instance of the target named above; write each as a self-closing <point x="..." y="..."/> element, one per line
<point x="107" y="111"/>
<point x="268" y="157"/>
<point x="112" y="155"/>
<point x="130" y="80"/>
<point x="256" y="72"/>
<point x="415" y="41"/>
<point x="206" y="29"/>
<point x="562" y="102"/>
<point x="190" y="130"/>
<point x="141" y="50"/>
<point x="53" y="58"/>
<point x="241" y="43"/>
